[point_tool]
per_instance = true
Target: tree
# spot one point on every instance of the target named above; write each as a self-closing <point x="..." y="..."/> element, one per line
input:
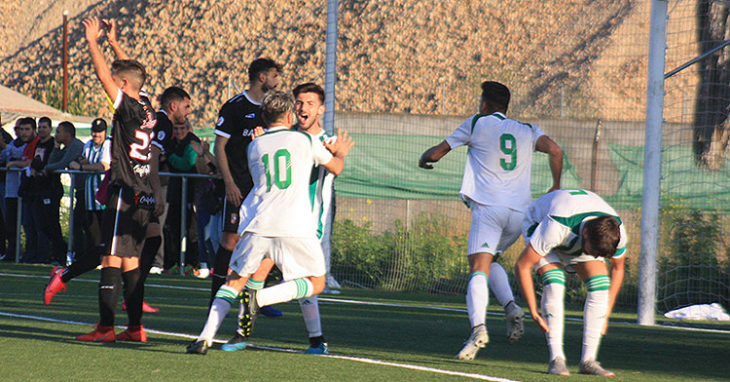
<point x="710" y="135"/>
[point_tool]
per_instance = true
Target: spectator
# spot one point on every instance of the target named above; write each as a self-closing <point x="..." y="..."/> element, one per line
<point x="12" y="157"/>
<point x="209" y="194"/>
<point x="96" y="156"/>
<point x="5" y="139"/>
<point x="49" y="189"/>
<point x="181" y="159"/>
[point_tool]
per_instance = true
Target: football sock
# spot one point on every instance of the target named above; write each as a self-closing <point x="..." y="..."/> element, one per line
<point x="133" y="296"/>
<point x="81" y="265"/>
<point x="477" y="298"/>
<point x="250" y="284"/>
<point x="499" y="284"/>
<point x="109" y="289"/>
<point x="224" y="298"/>
<point x="316" y="341"/>
<point x="594" y="315"/>
<point x="310" y="313"/>
<point x="220" y="271"/>
<point x="553" y="294"/>
<point x="284" y="292"/>
<point x="147" y="258"/>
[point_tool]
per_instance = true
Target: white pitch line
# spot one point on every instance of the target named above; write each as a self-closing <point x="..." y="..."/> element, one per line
<point x="343" y="357"/>
<point x="394" y="305"/>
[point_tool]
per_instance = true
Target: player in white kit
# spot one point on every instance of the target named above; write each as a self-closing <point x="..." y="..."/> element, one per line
<point x="572" y="231"/>
<point x="496" y="186"/>
<point x="276" y="218"/>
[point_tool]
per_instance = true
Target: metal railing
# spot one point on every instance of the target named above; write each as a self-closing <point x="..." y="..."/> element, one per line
<point x="70" y="253"/>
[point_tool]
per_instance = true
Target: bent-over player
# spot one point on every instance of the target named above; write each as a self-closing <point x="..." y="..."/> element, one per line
<point x="572" y="231"/>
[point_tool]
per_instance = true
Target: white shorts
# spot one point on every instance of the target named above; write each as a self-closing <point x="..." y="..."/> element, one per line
<point x="296" y="257"/>
<point x="569" y="262"/>
<point x="493" y="228"/>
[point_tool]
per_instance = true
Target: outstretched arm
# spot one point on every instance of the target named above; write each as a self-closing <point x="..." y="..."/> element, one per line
<point x="111" y="36"/>
<point x="617" y="278"/>
<point x="434" y="154"/>
<point x="523" y="268"/>
<point x="93" y="34"/>
<point x="548" y="146"/>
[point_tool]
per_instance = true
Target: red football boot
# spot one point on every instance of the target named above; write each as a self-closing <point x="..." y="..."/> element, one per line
<point x="133" y="333"/>
<point x="54" y="286"/>
<point x="100" y="334"/>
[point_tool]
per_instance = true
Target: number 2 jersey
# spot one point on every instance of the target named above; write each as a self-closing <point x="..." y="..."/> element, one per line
<point x="279" y="204"/>
<point x="132" y="132"/>
<point x="499" y="160"/>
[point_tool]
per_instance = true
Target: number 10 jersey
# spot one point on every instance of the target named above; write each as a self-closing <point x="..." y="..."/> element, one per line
<point x="499" y="160"/>
<point x="279" y="205"/>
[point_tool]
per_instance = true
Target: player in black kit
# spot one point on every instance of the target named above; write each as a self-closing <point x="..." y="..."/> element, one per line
<point x="237" y="120"/>
<point x="130" y="195"/>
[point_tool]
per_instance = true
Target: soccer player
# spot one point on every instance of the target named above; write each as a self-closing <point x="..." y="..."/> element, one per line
<point x="309" y="108"/>
<point x="572" y="231"/>
<point x="271" y="226"/>
<point x="131" y="200"/>
<point x="59" y="276"/>
<point x="496" y="186"/>
<point x="237" y="120"/>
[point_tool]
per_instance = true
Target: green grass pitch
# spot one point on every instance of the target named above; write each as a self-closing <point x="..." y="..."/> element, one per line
<point x="37" y="341"/>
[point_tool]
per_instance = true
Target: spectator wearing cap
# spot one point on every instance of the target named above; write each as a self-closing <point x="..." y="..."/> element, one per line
<point x="96" y="157"/>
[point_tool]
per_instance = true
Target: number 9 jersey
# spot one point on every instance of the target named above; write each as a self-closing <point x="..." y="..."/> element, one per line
<point x="132" y="134"/>
<point x="499" y="160"/>
<point x="279" y="205"/>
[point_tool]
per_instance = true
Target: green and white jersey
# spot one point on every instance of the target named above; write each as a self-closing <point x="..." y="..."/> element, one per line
<point x="499" y="160"/>
<point x="281" y="164"/>
<point x="321" y="190"/>
<point x="554" y="222"/>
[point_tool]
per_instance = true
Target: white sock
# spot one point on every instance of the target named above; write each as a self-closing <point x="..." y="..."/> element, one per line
<point x="284" y="292"/>
<point x="224" y="298"/>
<point x="594" y="315"/>
<point x="310" y="313"/>
<point x="499" y="284"/>
<point x="552" y="310"/>
<point x="477" y="298"/>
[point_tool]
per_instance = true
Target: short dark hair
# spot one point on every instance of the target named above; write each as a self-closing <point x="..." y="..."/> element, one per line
<point x="310" y="87"/>
<point x="27" y="121"/>
<point x="603" y="234"/>
<point x="275" y="104"/>
<point x="67" y="127"/>
<point x="172" y="94"/>
<point x="261" y="65"/>
<point x="131" y="70"/>
<point x="495" y="94"/>
<point x="45" y="120"/>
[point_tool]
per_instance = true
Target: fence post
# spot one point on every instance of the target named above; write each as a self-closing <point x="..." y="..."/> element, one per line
<point x="18" y="224"/>
<point x="183" y="226"/>
<point x="70" y="255"/>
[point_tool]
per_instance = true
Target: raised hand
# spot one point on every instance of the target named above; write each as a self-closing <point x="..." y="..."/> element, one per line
<point x="341" y="147"/>
<point x="94" y="30"/>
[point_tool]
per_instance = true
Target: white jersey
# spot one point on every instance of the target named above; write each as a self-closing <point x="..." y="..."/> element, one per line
<point x="554" y="222"/>
<point x="499" y="160"/>
<point x="279" y="204"/>
<point x="321" y="189"/>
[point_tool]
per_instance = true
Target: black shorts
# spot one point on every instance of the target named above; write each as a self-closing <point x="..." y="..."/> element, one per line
<point x="230" y="216"/>
<point x="124" y="223"/>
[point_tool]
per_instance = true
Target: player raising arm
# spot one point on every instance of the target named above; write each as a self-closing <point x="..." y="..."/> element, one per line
<point x="130" y="198"/>
<point x="572" y="231"/>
